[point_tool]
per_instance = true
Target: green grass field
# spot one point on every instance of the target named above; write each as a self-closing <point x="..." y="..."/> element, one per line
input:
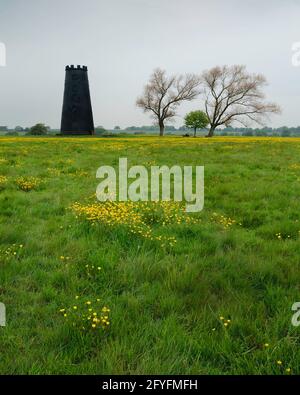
<point x="218" y="301"/>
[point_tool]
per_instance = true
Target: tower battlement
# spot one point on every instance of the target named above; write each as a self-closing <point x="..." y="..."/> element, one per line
<point x="78" y="67"/>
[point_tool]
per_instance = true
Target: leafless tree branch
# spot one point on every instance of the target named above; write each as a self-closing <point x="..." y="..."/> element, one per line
<point x="231" y="94"/>
<point x="162" y="95"/>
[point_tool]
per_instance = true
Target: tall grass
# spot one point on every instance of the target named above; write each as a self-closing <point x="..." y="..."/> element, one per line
<point x="168" y="304"/>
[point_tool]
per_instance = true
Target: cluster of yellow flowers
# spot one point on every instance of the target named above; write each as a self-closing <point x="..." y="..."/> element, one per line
<point x="54" y="171"/>
<point x="91" y="270"/>
<point x="26" y="184"/>
<point x="295" y="166"/>
<point x="3" y="161"/>
<point x="63" y="258"/>
<point x="87" y="315"/>
<point x="279" y="236"/>
<point x="119" y="144"/>
<point x="280" y="363"/>
<point x="3" y="181"/>
<point x="138" y="217"/>
<point x="114" y="146"/>
<point x="11" y="252"/>
<point x="150" y="162"/>
<point x="64" y="162"/>
<point x="225" y="322"/>
<point x="79" y="173"/>
<point x="288" y="370"/>
<point x="165" y="213"/>
<point x="226" y="222"/>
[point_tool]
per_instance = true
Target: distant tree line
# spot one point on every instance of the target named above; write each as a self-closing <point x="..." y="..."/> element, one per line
<point x="150" y="128"/>
<point x="283" y="131"/>
<point x="37" y="130"/>
<point x="226" y="131"/>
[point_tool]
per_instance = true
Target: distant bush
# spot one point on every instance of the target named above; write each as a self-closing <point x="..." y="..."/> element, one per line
<point x="38" y="130"/>
<point x="99" y="131"/>
<point x="248" y="133"/>
<point x="261" y="133"/>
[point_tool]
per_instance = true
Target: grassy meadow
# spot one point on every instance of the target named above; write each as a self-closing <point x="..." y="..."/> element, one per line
<point x="130" y="288"/>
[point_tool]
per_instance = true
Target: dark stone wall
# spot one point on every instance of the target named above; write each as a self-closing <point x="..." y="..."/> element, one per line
<point x="77" y="115"/>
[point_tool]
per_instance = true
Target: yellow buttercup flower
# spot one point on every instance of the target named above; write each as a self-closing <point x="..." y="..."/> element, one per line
<point x="85" y="319"/>
<point x="137" y="217"/>
<point x="27" y="184"/>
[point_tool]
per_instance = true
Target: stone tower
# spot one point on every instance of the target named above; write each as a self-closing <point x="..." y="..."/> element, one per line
<point x="77" y="115"/>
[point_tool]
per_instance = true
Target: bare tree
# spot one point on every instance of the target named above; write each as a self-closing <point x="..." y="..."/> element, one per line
<point x="234" y="95"/>
<point x="162" y="95"/>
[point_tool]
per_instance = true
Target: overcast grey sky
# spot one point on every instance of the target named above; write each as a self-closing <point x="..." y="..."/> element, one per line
<point x="122" y="41"/>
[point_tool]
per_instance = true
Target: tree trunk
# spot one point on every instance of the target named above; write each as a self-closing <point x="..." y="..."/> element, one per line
<point x="211" y="131"/>
<point x="195" y="129"/>
<point x="161" y="128"/>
